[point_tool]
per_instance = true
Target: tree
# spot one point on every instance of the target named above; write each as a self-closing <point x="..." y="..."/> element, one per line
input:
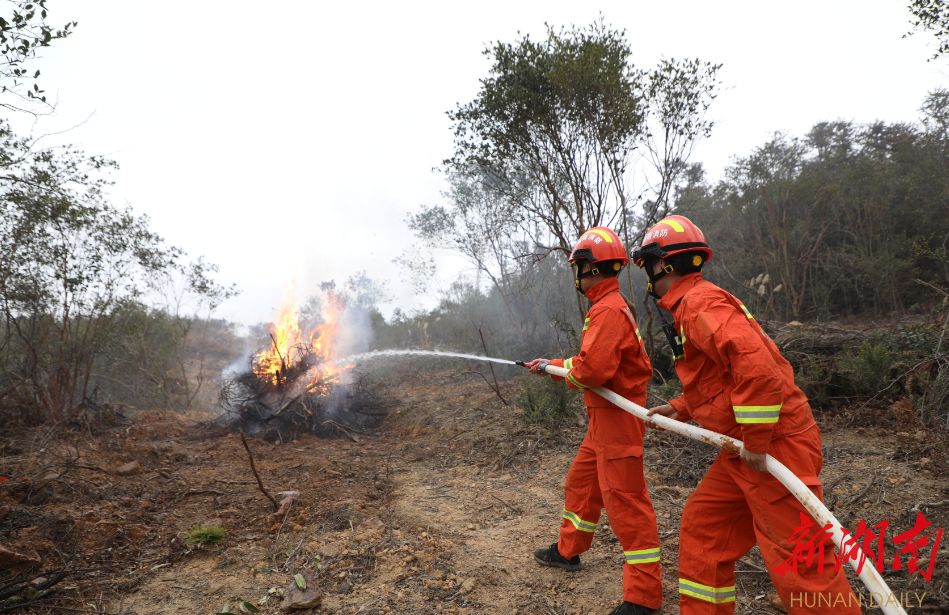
<point x="23" y="32"/>
<point x="186" y="298"/>
<point x="826" y="224"/>
<point x="932" y="15"/>
<point x="480" y="224"/>
<point x="71" y="260"/>
<point x="557" y="123"/>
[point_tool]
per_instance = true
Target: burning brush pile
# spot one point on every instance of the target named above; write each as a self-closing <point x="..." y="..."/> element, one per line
<point x="298" y="384"/>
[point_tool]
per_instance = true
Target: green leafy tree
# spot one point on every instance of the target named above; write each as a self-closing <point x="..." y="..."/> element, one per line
<point x="931" y="15"/>
<point x="557" y="125"/>
<point x="72" y="261"/>
<point x="23" y="33"/>
<point x="557" y="122"/>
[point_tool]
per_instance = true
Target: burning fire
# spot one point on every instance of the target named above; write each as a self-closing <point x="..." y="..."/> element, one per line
<point x="289" y="345"/>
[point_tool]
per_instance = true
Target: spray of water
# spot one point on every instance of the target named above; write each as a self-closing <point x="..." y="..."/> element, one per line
<point x="397" y="353"/>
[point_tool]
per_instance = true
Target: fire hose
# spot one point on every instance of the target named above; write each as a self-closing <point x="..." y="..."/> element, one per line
<point x="868" y="574"/>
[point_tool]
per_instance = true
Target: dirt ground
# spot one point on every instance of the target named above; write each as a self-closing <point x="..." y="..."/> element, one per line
<point x="438" y="510"/>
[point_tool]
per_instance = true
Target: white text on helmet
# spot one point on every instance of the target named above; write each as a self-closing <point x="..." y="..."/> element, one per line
<point x="656" y="233"/>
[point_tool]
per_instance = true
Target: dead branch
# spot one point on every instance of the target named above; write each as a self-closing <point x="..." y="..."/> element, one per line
<point x="202" y="491"/>
<point x="830" y="487"/>
<point x="935" y="288"/>
<point x="863" y="492"/>
<point x="253" y="468"/>
<point x="279" y="529"/>
<point x="459" y="434"/>
<point x="496" y="388"/>
<point x="752" y="565"/>
<point x="511" y="508"/>
<point x="919" y="507"/>
<point x="341" y="428"/>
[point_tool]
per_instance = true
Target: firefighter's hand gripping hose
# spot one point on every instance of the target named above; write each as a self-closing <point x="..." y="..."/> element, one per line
<point x="868" y="573"/>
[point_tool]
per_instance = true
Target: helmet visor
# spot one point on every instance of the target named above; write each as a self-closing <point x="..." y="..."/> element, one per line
<point x="582" y="253"/>
<point x="650" y="250"/>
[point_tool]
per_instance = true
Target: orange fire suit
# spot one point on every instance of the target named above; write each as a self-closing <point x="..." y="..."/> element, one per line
<point x="608" y="469"/>
<point x="736" y="382"/>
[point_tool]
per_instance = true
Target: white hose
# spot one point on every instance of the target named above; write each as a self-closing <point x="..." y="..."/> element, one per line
<point x="868" y="574"/>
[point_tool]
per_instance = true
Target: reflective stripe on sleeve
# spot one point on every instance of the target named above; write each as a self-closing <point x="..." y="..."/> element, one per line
<point x="586" y="324"/>
<point x="643" y="556"/>
<point x="580" y="524"/>
<point x="704" y="592"/>
<point x="576" y="382"/>
<point x="757" y="414"/>
<point x="568" y="364"/>
<point x="745" y="310"/>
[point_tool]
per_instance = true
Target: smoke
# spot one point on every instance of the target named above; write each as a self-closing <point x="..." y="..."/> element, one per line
<point x="355" y="332"/>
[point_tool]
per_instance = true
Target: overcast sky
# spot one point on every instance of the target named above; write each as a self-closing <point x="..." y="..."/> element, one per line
<point x="292" y="138"/>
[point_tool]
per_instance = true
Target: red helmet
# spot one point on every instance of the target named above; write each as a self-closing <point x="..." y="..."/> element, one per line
<point x="672" y="235"/>
<point x="599" y="244"/>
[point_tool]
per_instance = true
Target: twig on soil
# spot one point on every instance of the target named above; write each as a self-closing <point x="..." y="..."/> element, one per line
<point x="863" y="492"/>
<point x="374" y="601"/>
<point x="458" y="434"/>
<point x="512" y="509"/>
<point x="919" y="507"/>
<point x="662" y="497"/>
<point x="277" y="537"/>
<point x="340" y="428"/>
<point x="756" y="567"/>
<point x="829" y="487"/>
<point x="202" y="491"/>
<point x="253" y="468"/>
<point x="88" y="466"/>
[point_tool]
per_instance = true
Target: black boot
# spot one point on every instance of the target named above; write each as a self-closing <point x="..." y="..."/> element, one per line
<point x="552" y="557"/>
<point x="628" y="608"/>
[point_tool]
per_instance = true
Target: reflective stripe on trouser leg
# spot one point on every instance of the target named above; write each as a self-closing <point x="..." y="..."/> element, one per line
<point x="627" y="503"/>
<point x="580" y="524"/>
<point x="708" y="593"/>
<point x="582" y="503"/>
<point x="643" y="556"/>
<point x="717" y="529"/>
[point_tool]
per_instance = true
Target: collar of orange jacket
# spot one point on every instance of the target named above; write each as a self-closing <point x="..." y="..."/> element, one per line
<point x="678" y="290"/>
<point x="602" y="288"/>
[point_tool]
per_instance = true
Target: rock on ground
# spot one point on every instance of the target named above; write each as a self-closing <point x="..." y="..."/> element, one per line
<point x="299" y="599"/>
<point x="129" y="469"/>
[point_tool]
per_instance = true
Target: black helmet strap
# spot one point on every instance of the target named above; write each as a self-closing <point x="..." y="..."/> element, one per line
<point x="655" y="277"/>
<point x="580" y="264"/>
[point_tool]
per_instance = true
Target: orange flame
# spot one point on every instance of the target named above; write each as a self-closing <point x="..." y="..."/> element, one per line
<point x="289" y="344"/>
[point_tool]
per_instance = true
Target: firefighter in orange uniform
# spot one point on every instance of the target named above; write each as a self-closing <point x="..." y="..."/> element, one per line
<point x="608" y="469"/>
<point x="735" y="382"/>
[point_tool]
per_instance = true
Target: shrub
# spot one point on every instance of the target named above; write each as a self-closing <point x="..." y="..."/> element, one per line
<point x="670" y="389"/>
<point x="547" y="402"/>
<point x="863" y="371"/>
<point x="207" y="535"/>
<point x="934" y="405"/>
<point x="812" y="378"/>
